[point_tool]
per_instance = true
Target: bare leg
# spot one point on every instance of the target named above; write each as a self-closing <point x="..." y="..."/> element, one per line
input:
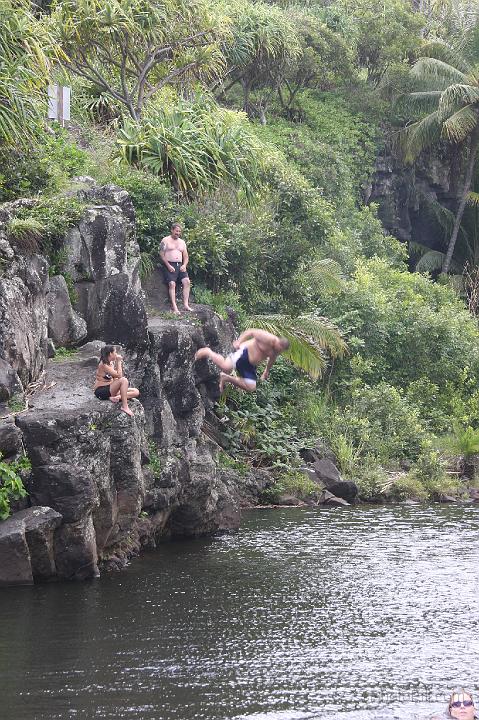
<point x="246" y="385"/>
<point x="121" y="385"/>
<point x="172" y="294"/>
<point x="225" y="364"/>
<point x="186" y="293"/>
<point x="132" y="393"/>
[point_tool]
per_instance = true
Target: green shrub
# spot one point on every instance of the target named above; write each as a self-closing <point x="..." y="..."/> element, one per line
<point x="220" y="302"/>
<point x="407" y="486"/>
<point x="229" y="463"/>
<point x="430" y="472"/>
<point x="11" y="484"/>
<point x="372" y="481"/>
<point x="46" y="167"/>
<point x="155" y="464"/>
<point x="55" y="215"/>
<point x="292" y="483"/>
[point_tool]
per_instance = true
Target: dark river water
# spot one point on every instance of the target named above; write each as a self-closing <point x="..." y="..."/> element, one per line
<point x="358" y="613"/>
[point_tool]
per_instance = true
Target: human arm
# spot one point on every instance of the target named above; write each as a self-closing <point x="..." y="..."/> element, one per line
<point x="163" y="249"/>
<point x="115" y="369"/>
<point x="185" y="258"/>
<point x="271" y="361"/>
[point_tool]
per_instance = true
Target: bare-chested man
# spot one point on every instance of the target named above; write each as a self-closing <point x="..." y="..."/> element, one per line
<point x="252" y="348"/>
<point x="174" y="256"/>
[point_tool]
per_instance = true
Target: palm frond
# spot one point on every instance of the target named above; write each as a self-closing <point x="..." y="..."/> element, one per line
<point x="442" y="74"/>
<point x="326" y="276"/>
<point x="424" y="101"/>
<point x="457" y="127"/>
<point x="473" y="199"/>
<point x="418" y="136"/>
<point x="455" y="97"/>
<point x="310" y="338"/>
<point x="430" y="261"/>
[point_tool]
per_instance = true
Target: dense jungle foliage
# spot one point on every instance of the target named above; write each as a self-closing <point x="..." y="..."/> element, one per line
<point x="258" y="126"/>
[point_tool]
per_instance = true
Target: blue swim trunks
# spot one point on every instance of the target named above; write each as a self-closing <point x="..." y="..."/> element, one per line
<point x="243" y="366"/>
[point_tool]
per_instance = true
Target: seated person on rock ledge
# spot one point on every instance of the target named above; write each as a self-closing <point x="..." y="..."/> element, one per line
<point x="110" y="383"/>
<point x="460" y="706"/>
<point x="249" y="354"/>
<point x="174" y="256"/>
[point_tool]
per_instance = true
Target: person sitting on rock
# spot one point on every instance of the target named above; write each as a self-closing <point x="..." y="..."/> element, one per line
<point x="252" y="348"/>
<point x="174" y="256"/>
<point x="110" y="383"/>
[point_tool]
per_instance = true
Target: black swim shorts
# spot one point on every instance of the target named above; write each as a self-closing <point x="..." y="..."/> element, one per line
<point x="176" y="275"/>
<point x="243" y="366"/>
<point x="102" y="392"/>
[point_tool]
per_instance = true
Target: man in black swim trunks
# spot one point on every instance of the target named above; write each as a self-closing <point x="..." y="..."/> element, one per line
<point x="252" y="348"/>
<point x="174" y="256"/>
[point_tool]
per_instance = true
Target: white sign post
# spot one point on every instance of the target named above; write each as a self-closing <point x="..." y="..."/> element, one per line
<point x="59" y="103"/>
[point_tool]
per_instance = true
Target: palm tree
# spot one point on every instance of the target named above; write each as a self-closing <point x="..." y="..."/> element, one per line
<point x="449" y="88"/>
<point x="310" y="338"/>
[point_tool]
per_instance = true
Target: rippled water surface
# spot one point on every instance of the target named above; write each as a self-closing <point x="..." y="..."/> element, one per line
<point x="359" y="614"/>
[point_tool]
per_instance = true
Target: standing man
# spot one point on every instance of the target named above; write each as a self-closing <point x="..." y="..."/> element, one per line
<point x="252" y="348"/>
<point x="174" y="256"/>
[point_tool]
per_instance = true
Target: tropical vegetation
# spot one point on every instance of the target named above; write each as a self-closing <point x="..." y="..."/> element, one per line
<point x="261" y="127"/>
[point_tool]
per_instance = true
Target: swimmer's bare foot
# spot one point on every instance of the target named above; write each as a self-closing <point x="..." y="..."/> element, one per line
<point x="202" y="353"/>
<point x="175" y="311"/>
<point x="187" y="307"/>
<point x="127" y="411"/>
<point x="115" y="399"/>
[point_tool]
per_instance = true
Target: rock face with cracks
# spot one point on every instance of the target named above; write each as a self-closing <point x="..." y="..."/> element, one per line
<point x="103" y="484"/>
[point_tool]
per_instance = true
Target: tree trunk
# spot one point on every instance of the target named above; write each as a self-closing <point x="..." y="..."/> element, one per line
<point x="473" y="146"/>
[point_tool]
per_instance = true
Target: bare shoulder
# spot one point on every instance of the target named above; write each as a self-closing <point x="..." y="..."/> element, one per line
<point x="181" y="244"/>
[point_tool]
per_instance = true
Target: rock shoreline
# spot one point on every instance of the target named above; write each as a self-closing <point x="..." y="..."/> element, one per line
<point x="103" y="485"/>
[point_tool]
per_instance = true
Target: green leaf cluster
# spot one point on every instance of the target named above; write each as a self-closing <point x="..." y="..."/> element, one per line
<point x="11" y="484"/>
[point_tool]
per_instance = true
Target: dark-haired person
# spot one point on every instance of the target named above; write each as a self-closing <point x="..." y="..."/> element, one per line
<point x="251" y="349"/>
<point x="174" y="256"/>
<point x="110" y="383"/>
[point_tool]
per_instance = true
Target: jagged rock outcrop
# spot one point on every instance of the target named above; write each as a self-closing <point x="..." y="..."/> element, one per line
<point x="26" y="546"/>
<point x="103" y="261"/>
<point x="112" y="482"/>
<point x="66" y="327"/>
<point x="406" y="195"/>
<point x="23" y="307"/>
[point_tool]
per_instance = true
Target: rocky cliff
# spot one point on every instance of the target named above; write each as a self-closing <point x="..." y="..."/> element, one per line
<point x="410" y="196"/>
<point x="102" y="484"/>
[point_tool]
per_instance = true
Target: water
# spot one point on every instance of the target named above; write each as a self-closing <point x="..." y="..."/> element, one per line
<point x="358" y="614"/>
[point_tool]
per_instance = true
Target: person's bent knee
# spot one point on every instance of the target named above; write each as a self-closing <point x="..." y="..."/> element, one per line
<point x="124" y="381"/>
<point x="250" y="386"/>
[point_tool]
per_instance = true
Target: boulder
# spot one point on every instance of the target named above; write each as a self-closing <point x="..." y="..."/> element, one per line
<point x="26" y="546"/>
<point x="331" y="478"/>
<point x="327" y="498"/>
<point x="40" y="524"/>
<point x="10" y="438"/>
<point x="68" y="489"/>
<point x="65" y="326"/>
<point x="23" y="317"/>
<point x="15" y="565"/>
<point x="287" y="499"/>
<point x="10" y="384"/>
<point x="75" y="550"/>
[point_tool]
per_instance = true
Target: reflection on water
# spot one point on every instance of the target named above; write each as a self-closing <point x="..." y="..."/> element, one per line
<point x="358" y="614"/>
